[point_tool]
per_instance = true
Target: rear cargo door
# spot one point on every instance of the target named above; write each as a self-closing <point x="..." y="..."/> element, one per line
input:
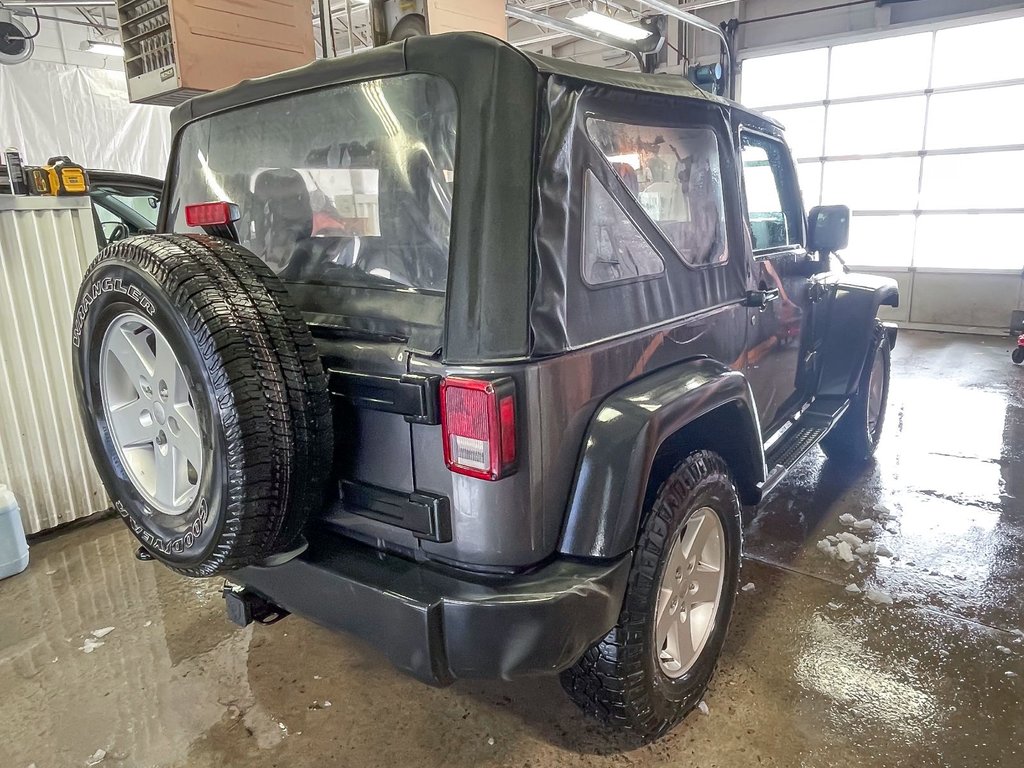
<point x="377" y="402"/>
<point x="346" y="193"/>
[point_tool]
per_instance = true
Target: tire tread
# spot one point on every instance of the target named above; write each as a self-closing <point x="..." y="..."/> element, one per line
<point x="268" y="382"/>
<point x="610" y="682"/>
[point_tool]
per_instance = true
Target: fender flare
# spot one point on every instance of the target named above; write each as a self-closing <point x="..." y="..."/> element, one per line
<point x="623" y="440"/>
<point x="852" y="315"/>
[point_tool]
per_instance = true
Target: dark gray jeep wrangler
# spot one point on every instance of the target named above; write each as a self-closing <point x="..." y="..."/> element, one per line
<point x="478" y="355"/>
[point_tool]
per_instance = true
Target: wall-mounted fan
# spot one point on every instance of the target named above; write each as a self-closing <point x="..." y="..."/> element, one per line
<point x="16" y="45"/>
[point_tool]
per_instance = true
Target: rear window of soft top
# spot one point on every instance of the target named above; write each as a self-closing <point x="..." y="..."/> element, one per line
<point x="346" y="185"/>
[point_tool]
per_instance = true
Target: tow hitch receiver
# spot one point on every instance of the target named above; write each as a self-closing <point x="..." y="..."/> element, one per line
<point x="244" y="607"/>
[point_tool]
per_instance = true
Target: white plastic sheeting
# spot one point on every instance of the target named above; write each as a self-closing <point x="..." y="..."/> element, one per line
<point x="53" y="109"/>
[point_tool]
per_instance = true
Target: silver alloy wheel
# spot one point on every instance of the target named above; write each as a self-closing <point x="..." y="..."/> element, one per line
<point x="690" y="592"/>
<point x="876" y="391"/>
<point x="151" y="414"/>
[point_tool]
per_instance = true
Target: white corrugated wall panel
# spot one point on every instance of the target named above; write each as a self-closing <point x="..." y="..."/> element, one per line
<point x="45" y="246"/>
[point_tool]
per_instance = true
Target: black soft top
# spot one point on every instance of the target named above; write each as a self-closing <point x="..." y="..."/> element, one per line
<point x="478" y="52"/>
<point x="504" y="301"/>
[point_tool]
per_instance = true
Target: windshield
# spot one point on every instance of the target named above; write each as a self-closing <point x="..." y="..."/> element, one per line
<point x="348" y="185"/>
<point x="122" y="212"/>
<point x="138" y="210"/>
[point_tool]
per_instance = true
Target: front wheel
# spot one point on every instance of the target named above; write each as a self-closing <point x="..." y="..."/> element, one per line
<point x="855" y="438"/>
<point x="1017" y="355"/>
<point x="655" y="664"/>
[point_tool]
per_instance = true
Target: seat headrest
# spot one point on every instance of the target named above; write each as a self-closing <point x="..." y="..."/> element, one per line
<point x="283" y="188"/>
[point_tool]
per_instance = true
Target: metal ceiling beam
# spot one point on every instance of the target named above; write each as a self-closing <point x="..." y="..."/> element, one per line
<point x="342" y="14"/>
<point x="350" y="30"/>
<point x="540" y="39"/>
<point x="339" y="8"/>
<point x="91" y="19"/>
<point x="706" y="4"/>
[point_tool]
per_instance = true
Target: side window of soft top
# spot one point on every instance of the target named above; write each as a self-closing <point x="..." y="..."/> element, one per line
<point x="675" y="174"/>
<point x="774" y="213"/>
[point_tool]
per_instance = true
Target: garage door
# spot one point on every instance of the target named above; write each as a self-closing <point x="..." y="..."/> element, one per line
<point x="920" y="135"/>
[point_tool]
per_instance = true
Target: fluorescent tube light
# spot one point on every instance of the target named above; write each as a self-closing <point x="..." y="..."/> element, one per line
<point x="103" y="49"/>
<point x="606" y="25"/>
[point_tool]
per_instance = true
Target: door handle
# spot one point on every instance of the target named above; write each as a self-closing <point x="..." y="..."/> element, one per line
<point x="761" y="299"/>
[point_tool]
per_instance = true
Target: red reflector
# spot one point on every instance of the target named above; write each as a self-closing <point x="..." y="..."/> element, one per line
<point x="478" y="423"/>
<point x="211" y="214"/>
<point x="507" y="419"/>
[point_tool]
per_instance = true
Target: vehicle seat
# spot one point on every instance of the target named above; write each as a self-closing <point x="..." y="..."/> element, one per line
<point x="282" y="215"/>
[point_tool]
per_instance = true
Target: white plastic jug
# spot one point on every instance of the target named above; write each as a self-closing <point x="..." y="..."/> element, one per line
<point x="13" y="546"/>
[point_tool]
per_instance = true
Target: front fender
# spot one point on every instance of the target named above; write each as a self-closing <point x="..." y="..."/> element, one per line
<point x="623" y="440"/>
<point x="852" y="314"/>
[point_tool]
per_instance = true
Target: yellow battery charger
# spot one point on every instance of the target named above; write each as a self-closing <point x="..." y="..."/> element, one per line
<point x="66" y="177"/>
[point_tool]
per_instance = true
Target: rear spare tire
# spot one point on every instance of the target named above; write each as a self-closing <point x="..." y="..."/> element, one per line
<point x="203" y="398"/>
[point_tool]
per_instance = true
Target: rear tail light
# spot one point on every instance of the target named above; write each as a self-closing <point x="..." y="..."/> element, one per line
<point x="478" y="422"/>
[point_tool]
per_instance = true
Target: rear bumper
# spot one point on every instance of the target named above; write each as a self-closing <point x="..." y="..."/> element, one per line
<point x="439" y="624"/>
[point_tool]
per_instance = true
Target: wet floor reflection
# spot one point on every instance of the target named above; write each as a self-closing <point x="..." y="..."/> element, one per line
<point x="813" y="674"/>
<point x="939" y="667"/>
<point x="161" y="678"/>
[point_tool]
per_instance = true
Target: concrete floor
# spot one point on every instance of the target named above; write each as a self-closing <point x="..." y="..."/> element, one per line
<point x="811" y="675"/>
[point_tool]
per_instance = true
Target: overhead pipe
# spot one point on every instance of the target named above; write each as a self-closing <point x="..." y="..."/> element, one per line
<point x="55" y="3"/>
<point x="691" y="6"/>
<point x="552" y="22"/>
<point x="690" y="18"/>
<point x="327" y="44"/>
<point x="24" y="12"/>
<point x="549" y="37"/>
<point x="574" y="30"/>
<point x="351" y="29"/>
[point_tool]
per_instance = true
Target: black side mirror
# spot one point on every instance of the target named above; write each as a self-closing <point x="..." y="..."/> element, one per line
<point x="828" y="228"/>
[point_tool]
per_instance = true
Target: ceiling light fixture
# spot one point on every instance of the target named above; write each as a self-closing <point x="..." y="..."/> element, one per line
<point x="103" y="49"/>
<point x="606" y="25"/>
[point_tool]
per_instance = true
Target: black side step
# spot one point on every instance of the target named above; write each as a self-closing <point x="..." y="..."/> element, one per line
<point x="801" y="436"/>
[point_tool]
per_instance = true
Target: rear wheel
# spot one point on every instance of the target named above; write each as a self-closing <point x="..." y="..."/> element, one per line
<point x="203" y="399"/>
<point x="856" y="436"/>
<point x="1017" y="355"/>
<point x="656" y="663"/>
